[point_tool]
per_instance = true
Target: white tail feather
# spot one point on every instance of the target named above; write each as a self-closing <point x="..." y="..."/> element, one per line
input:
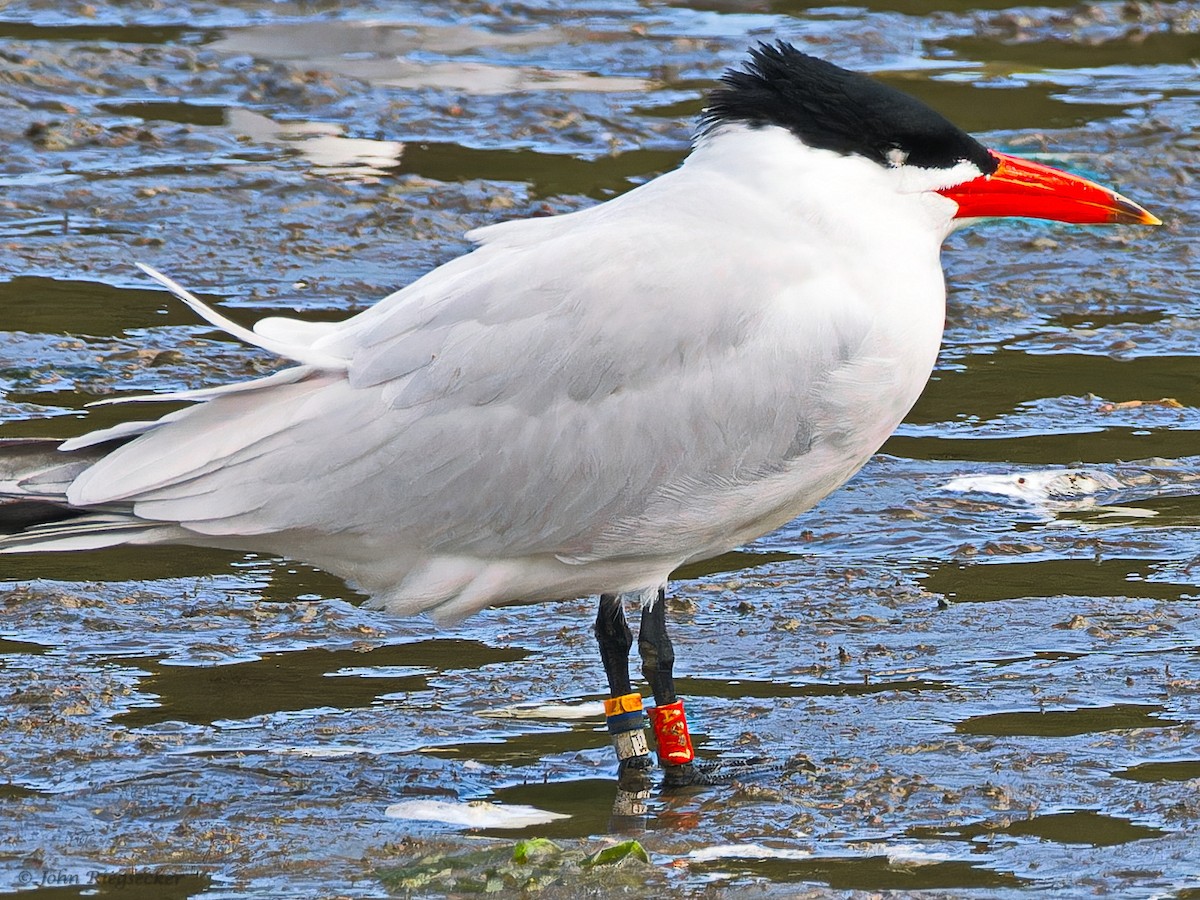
<point x="299" y="352"/>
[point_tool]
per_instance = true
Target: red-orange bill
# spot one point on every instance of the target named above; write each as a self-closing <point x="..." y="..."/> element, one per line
<point x="1022" y="187"/>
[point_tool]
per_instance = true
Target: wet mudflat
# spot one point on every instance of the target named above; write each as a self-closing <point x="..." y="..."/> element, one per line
<point x="980" y="672"/>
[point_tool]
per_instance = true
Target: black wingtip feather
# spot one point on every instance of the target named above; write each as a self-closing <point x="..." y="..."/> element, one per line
<point x="18" y="515"/>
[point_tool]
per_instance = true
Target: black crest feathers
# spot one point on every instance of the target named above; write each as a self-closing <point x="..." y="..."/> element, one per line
<point x="831" y="108"/>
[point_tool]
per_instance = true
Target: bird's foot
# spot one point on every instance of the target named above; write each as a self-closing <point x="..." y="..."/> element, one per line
<point x="712" y="772"/>
<point x="625" y="719"/>
<point x="633" y="773"/>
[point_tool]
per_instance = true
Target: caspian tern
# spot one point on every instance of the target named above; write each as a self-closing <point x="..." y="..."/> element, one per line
<point x="584" y="403"/>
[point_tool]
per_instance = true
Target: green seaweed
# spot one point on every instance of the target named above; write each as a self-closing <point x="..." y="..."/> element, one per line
<point x="529" y="866"/>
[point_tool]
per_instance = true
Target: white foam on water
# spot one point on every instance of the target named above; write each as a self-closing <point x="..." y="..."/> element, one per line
<point x="471" y="814"/>
<point x="746" y="851"/>
<point x="591" y="709"/>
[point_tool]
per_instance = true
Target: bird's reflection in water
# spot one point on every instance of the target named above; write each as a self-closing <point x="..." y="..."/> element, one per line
<point x="631" y="809"/>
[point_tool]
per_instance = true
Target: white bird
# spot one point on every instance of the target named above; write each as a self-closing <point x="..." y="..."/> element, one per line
<point x="586" y="402"/>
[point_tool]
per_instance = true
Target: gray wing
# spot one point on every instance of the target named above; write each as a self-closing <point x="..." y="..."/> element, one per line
<point x="566" y="389"/>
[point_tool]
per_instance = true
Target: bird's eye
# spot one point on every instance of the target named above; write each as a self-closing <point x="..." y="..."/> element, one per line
<point x="896" y="157"/>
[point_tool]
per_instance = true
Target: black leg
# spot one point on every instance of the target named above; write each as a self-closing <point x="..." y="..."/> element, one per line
<point x="670" y="724"/>
<point x="626" y="721"/>
<point x="658" y="656"/>
<point x="615" y="639"/>
<point x="680" y="767"/>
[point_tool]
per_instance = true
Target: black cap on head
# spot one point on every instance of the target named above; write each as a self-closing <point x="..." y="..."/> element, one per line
<point x="831" y="108"/>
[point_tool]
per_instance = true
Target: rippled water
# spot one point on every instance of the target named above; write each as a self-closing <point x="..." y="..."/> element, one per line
<point x="977" y="692"/>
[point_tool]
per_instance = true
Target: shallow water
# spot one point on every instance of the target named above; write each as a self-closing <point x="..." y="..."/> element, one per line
<point x="974" y="694"/>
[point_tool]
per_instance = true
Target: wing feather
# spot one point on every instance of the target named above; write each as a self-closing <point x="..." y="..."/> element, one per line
<point x="537" y="397"/>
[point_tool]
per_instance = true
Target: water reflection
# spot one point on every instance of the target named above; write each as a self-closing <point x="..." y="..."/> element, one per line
<point x="325" y="146"/>
<point x="1061" y="723"/>
<point x="403" y="55"/>
<point x="181" y="111"/>
<point x="303" y="679"/>
<point x="106" y="32"/>
<point x="1084" y="826"/>
<point x="987" y="385"/>
<point x="1170" y="770"/>
<point x="546" y="174"/>
<point x="976" y="105"/>
<point x="71" y="883"/>
<point x="1087" y="445"/>
<point x="1039" y="579"/>
<point x="869" y="873"/>
<point x="84" y="308"/>
<point x="1138" y="47"/>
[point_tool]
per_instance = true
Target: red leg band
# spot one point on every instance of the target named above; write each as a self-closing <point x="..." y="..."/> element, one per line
<point x="671" y="732"/>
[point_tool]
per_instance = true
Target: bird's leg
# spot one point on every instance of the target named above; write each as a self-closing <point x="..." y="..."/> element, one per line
<point x="675" y="751"/>
<point x="626" y="720"/>
<point x="658" y="656"/>
<point x="680" y="766"/>
<point x="615" y="639"/>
